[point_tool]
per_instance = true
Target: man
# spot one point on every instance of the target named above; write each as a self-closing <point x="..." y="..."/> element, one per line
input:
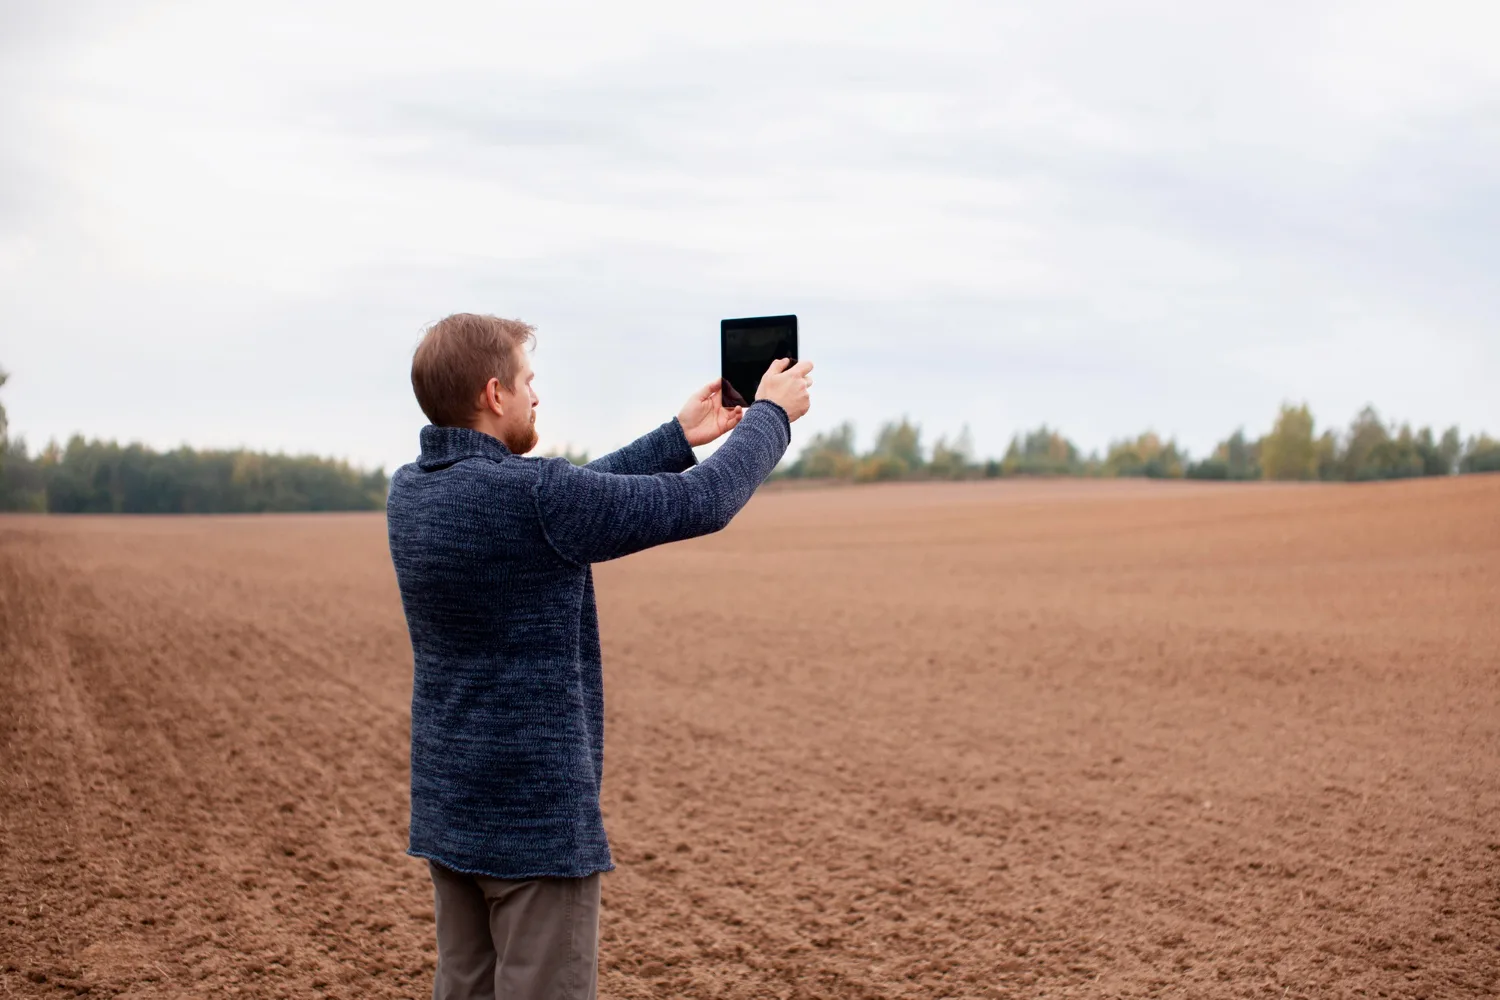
<point x="492" y="554"/>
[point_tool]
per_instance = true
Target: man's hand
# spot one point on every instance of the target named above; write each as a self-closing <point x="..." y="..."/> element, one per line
<point x="704" y="417"/>
<point x="787" y="387"/>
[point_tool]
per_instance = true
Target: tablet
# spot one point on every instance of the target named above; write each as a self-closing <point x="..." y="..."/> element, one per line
<point x="747" y="347"/>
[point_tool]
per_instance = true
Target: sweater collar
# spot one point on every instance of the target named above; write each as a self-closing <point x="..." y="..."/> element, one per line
<point x="443" y="446"/>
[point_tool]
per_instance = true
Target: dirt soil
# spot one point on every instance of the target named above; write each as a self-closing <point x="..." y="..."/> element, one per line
<point x="971" y="740"/>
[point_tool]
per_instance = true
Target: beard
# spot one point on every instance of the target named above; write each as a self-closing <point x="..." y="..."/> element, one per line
<point x="520" y="440"/>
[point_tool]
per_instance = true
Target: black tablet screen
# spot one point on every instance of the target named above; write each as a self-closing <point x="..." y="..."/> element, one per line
<point x="749" y="346"/>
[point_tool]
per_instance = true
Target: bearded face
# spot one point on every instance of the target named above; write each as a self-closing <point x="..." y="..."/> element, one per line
<point x="520" y="437"/>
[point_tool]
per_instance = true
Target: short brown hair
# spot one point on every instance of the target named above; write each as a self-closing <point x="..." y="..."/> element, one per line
<point x="456" y="359"/>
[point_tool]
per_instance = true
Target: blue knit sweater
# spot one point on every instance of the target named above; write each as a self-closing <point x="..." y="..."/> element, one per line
<point x="492" y="554"/>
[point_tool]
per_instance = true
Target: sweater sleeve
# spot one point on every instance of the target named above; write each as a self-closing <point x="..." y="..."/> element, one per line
<point x="663" y="450"/>
<point x="591" y="516"/>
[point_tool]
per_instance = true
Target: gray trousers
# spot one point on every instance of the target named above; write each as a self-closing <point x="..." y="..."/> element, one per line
<point x="526" y="939"/>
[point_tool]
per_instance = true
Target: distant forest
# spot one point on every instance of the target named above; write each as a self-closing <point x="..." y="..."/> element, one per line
<point x="1367" y="449"/>
<point x="103" y="477"/>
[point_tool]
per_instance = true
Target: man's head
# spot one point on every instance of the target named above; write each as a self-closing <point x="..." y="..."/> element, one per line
<point x="472" y="371"/>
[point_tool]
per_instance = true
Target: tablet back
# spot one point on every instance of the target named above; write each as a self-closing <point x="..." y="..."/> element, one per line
<point x="747" y="348"/>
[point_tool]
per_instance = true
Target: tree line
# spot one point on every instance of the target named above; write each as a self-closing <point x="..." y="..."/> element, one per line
<point x="94" y="476"/>
<point x="1367" y="449"/>
<point x="105" y="477"/>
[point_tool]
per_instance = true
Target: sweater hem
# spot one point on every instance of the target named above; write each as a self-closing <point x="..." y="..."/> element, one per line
<point x="785" y="420"/>
<point x="685" y="453"/>
<point x="512" y="877"/>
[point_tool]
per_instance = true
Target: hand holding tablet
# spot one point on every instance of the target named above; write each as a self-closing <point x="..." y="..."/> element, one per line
<point x="786" y="384"/>
<point x="759" y="361"/>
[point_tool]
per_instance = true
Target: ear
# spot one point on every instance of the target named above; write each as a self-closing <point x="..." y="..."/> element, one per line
<point x="489" y="398"/>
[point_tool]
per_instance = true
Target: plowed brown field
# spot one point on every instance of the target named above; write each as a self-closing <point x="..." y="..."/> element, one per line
<point x="1085" y="739"/>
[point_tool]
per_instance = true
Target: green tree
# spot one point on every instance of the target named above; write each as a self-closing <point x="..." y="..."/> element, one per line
<point x="21" y="486"/>
<point x="1481" y="454"/>
<point x="106" y="477"/>
<point x="952" y="460"/>
<point x="1147" y="455"/>
<point x="1326" y="456"/>
<point x="1233" y="458"/>
<point x="1397" y="457"/>
<point x="1208" y="468"/>
<point x="876" y="467"/>
<point x="1288" y="452"/>
<point x="1366" y="433"/>
<point x="1042" y="452"/>
<point x="900" y="441"/>
<point x="1451" y="448"/>
<point x="896" y="455"/>
<point x="1434" y="462"/>
<point x="829" y="455"/>
<point x="1241" y="457"/>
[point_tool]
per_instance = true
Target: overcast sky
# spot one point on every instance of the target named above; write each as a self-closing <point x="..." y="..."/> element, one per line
<point x="226" y="223"/>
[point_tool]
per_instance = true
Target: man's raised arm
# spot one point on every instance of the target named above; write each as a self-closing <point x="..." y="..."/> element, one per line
<point x="591" y="516"/>
<point x="665" y="449"/>
<point x="669" y="448"/>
